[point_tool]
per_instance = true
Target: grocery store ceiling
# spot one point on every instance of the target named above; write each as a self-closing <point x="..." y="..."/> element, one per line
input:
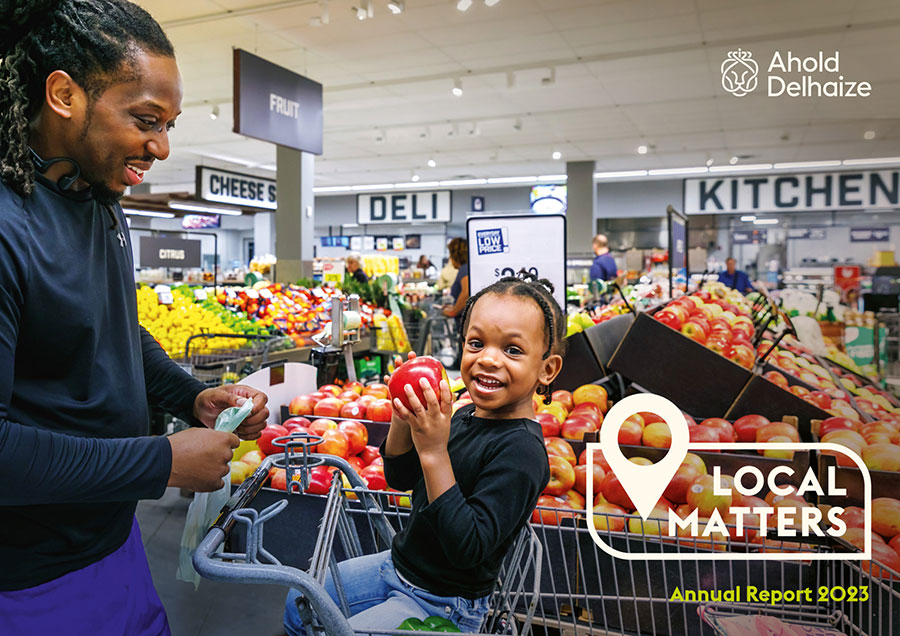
<point x="591" y="79"/>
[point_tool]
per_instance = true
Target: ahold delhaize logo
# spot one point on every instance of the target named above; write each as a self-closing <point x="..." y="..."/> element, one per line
<point x="739" y="73"/>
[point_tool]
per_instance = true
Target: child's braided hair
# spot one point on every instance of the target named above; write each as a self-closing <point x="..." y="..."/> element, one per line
<point x="540" y="290"/>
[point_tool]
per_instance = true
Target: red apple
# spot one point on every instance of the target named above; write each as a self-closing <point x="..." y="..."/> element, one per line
<point x="723" y="426"/>
<point x="296" y="422"/>
<point x="798" y="390"/>
<point x="268" y="435"/>
<point x="669" y="318"/>
<point x="550" y="426"/>
<point x="776" y="378"/>
<point x="614" y="493"/>
<point x="882" y="457"/>
<point x="836" y="424"/>
<point x="561" y="448"/>
<point x="564" y="398"/>
<point x="278" y="479"/>
<point x="374" y="476"/>
<point x="321" y="395"/>
<point x="745" y="427"/>
<point x="764" y="433"/>
<point x="302" y="405"/>
<point x="657" y="435"/>
<point x="356" y="387"/>
<point x="559" y="509"/>
<point x="357" y="463"/>
<point x="380" y="411"/>
<point x="357" y="434"/>
<point x="820" y="399"/>
<point x="412" y="373"/>
<point x="353" y="410"/>
<point x="581" y="476"/>
<point x="334" y="389"/>
<point x="377" y="390"/>
<point x="632" y="430"/>
<point x="700" y="495"/>
<point x="365" y="400"/>
<point x="334" y="442"/>
<point x="694" y="331"/>
<point x="575" y="499"/>
<point x="575" y="427"/>
<point x="329" y="407"/>
<point x="348" y="396"/>
<point x="609" y="516"/>
<point x="676" y="491"/>
<point x="592" y="393"/>
<point x="705" y="434"/>
<point x="599" y="460"/>
<point x="562" y="476"/>
<point x="319" y="426"/>
<point x="369" y="454"/>
<point x="743" y="355"/>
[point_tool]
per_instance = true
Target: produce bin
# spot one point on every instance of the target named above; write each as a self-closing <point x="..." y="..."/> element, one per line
<point x="580" y="364"/>
<point x="670" y="364"/>
<point x="885" y="483"/>
<point x="761" y="397"/>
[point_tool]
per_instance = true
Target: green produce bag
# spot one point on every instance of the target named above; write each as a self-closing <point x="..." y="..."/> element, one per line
<point x="430" y="624"/>
<point x="206" y="505"/>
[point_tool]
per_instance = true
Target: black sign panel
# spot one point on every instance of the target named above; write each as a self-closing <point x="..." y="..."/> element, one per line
<point x="748" y="237"/>
<point x="275" y="104"/>
<point x="869" y="234"/>
<point x="169" y="252"/>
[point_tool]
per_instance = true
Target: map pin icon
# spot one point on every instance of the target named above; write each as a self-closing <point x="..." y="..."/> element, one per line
<point x="644" y="484"/>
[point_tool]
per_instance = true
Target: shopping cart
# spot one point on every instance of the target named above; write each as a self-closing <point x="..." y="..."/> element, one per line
<point x="209" y="361"/>
<point x="355" y="522"/>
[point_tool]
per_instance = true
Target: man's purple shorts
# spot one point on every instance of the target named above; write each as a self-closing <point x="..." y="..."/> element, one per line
<point x="112" y="597"/>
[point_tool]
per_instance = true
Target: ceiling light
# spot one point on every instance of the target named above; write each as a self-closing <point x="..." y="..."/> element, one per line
<point x="733" y="160"/>
<point x="463" y="182"/>
<point x="765" y="222"/>
<point x="557" y="155"/>
<point x="432" y="163"/>
<point x="663" y="171"/>
<point x="463" y="5"/>
<point x="871" y="161"/>
<point x="497" y="180"/>
<point x="415" y="178"/>
<point x="744" y="168"/>
<point x="748" y="218"/>
<point x="709" y="162"/>
<point x="551" y="177"/>
<point x="490" y="3"/>
<point x="806" y="164"/>
<point x="157" y="215"/>
<point x="457" y="88"/>
<point x="206" y="209"/>
<point x="869" y="134"/>
<point x="417" y="184"/>
<point x="621" y="173"/>
<point x="324" y="189"/>
<point x="374" y="186"/>
<point x="397" y="6"/>
<point x="642" y="150"/>
<point x="214" y="113"/>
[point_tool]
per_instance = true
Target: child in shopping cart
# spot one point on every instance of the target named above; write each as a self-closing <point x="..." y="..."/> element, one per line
<point x="475" y="477"/>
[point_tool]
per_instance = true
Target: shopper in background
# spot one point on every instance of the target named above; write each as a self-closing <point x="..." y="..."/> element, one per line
<point x="88" y="92"/>
<point x="459" y="290"/>
<point x="735" y="278"/>
<point x="354" y="267"/>
<point x="604" y="266"/>
<point x="475" y="476"/>
<point x="427" y="267"/>
<point x="446" y="276"/>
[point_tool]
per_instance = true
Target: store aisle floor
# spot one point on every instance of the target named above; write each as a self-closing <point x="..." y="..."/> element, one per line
<point x="215" y="609"/>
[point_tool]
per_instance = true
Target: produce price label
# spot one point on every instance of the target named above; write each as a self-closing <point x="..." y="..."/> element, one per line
<point x="165" y="297"/>
<point x="266" y="294"/>
<point x="786" y="519"/>
<point x="252" y="293"/>
<point x="503" y="245"/>
<point x="200" y="295"/>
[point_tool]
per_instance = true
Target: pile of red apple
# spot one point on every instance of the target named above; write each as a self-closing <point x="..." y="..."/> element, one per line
<point x="352" y="401"/>
<point x="877" y="443"/>
<point x="572" y="415"/>
<point x="885" y="535"/>
<point x="719" y="325"/>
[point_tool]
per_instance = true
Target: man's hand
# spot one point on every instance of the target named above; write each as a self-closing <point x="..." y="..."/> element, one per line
<point x="200" y="458"/>
<point x="211" y="402"/>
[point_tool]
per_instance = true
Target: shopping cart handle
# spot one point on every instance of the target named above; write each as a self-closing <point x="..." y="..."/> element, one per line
<point x="324" y="608"/>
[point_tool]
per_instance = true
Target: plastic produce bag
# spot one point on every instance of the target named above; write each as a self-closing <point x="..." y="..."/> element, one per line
<point x="206" y="505"/>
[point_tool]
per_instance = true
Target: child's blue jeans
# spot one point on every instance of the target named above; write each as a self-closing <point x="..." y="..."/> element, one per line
<point x="380" y="599"/>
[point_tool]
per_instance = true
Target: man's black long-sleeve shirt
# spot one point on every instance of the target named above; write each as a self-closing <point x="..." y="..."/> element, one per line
<point x="77" y="373"/>
<point x="454" y="546"/>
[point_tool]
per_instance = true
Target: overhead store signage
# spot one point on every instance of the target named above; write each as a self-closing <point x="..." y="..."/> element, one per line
<point x="275" y="104"/>
<point x="869" y="234"/>
<point x="169" y="252"/>
<point x="335" y="241"/>
<point x="403" y="207"/>
<point x="234" y="188"/>
<point x="749" y="237"/>
<point x="815" y="234"/>
<point x="820" y="191"/>
<point x="502" y="245"/>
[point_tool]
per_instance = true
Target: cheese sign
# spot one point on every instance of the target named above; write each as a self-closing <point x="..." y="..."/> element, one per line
<point x="403" y="207"/>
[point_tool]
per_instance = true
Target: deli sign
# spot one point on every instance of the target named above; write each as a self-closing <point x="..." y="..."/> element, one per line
<point x="822" y="191"/>
<point x="403" y="207"/>
<point x="169" y="252"/>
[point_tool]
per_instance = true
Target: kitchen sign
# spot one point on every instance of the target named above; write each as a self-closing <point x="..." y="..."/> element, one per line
<point x="403" y="207"/>
<point x="169" y="252"/>
<point x="822" y="191"/>
<point x="234" y="188"/>
<point x="275" y="104"/>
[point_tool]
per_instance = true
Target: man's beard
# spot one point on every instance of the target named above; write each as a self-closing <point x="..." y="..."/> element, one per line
<point x="105" y="195"/>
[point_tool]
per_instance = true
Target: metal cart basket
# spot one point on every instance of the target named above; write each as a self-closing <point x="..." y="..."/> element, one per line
<point x="208" y="360"/>
<point x="363" y="522"/>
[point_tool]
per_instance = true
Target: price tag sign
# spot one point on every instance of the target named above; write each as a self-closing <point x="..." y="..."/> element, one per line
<point x="252" y="293"/>
<point x="265" y="294"/>
<point x="318" y="293"/>
<point x="165" y="297"/>
<point x="230" y="292"/>
<point x="502" y="245"/>
<point x="200" y="295"/>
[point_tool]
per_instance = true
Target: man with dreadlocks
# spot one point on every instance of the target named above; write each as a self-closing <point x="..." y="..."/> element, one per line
<point x="88" y="92"/>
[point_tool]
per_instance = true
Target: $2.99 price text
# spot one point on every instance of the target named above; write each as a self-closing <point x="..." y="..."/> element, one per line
<point x="502" y="272"/>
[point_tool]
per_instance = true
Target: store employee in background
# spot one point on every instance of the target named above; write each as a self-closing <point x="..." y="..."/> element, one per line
<point x="735" y="278"/>
<point x="88" y="92"/>
<point x="604" y="266"/>
<point x="355" y="269"/>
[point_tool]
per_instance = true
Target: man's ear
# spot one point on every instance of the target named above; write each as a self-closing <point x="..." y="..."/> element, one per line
<point x="64" y="96"/>
<point x="550" y="368"/>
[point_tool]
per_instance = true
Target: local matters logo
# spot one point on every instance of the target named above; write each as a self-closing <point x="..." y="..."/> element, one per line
<point x="790" y="75"/>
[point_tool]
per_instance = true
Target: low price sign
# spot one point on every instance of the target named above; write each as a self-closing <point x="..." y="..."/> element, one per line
<point x="502" y="245"/>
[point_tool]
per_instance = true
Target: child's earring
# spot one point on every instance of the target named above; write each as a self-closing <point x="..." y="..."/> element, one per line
<point x="544" y="390"/>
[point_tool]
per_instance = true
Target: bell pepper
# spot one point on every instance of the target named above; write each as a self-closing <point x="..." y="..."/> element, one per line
<point x="412" y="624"/>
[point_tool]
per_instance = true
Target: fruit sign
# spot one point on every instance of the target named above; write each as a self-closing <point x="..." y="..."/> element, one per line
<point x="721" y="501"/>
<point x="502" y="245"/>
